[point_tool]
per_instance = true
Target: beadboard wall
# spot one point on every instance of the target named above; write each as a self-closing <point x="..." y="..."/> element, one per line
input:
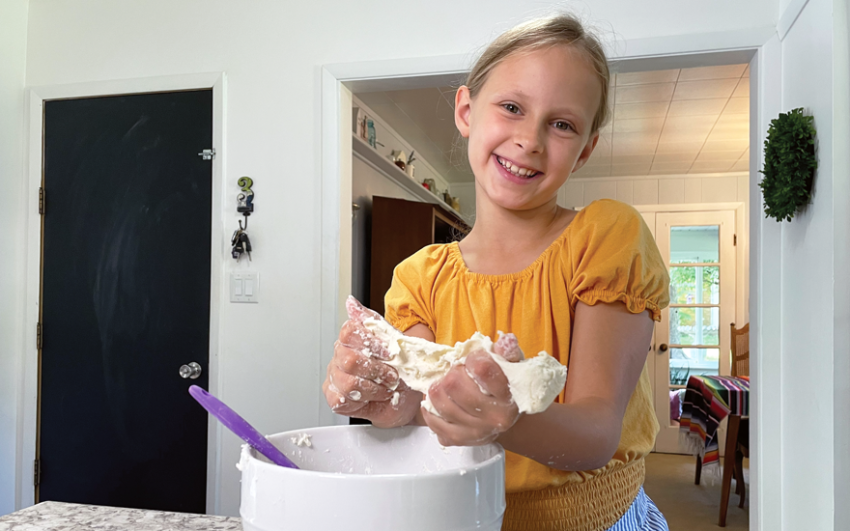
<point x="654" y="190"/>
<point x="657" y="190"/>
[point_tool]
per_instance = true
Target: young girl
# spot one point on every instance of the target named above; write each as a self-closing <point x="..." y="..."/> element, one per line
<point x="583" y="286"/>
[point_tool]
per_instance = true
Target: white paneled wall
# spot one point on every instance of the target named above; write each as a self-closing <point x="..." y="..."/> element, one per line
<point x="667" y="190"/>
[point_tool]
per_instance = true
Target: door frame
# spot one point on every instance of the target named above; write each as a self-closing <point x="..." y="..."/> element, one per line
<point x="757" y="46"/>
<point x="34" y="133"/>
<point x="738" y="210"/>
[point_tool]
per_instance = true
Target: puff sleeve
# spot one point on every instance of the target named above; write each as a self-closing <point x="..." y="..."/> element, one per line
<point x="614" y="257"/>
<point x="407" y="302"/>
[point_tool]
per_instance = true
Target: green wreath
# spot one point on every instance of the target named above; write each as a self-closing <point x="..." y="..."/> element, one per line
<point x="789" y="164"/>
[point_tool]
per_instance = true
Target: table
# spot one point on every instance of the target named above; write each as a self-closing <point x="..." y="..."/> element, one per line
<point x="708" y="400"/>
<point x="56" y="516"/>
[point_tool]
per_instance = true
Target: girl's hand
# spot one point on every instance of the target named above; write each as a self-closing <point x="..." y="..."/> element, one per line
<point x="358" y="384"/>
<point x="474" y="400"/>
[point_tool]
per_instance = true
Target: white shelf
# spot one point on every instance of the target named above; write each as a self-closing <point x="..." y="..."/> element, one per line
<point x="370" y="155"/>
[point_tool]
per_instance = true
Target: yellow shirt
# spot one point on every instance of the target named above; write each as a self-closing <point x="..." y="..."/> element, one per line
<point x="606" y="253"/>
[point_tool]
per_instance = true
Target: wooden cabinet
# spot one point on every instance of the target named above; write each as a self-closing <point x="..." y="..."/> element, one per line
<point x="399" y="229"/>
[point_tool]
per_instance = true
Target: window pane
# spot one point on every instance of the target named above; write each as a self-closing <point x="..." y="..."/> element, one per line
<point x="695" y="285"/>
<point x="695" y="244"/>
<point x="695" y="326"/>
<point x="687" y="362"/>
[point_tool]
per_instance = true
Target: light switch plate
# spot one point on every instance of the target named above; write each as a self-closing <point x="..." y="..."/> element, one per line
<point x="244" y="287"/>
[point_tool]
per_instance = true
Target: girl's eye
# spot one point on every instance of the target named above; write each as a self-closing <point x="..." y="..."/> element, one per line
<point x="511" y="108"/>
<point x="564" y="126"/>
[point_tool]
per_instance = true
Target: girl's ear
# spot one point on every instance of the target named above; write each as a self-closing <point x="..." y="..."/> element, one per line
<point x="586" y="152"/>
<point x="463" y="108"/>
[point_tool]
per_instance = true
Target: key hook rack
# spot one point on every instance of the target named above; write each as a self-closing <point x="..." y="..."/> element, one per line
<point x="245" y="206"/>
<point x="245" y="200"/>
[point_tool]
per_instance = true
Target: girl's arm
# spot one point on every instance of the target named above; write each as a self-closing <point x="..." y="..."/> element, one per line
<point x="608" y="353"/>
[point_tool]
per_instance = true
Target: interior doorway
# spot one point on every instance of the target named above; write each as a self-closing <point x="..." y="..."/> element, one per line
<point x="92" y="207"/>
<point x="605" y="182"/>
<point x="120" y="313"/>
<point x="699" y="249"/>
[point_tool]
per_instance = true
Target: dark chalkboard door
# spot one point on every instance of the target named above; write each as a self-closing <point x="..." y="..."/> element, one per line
<point x="125" y="300"/>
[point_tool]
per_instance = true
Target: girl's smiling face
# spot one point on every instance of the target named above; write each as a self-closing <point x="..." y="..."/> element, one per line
<point x="529" y="127"/>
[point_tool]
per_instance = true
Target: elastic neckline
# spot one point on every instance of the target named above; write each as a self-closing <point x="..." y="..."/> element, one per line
<point x="454" y="251"/>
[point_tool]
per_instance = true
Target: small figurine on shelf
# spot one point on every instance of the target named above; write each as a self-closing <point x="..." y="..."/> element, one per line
<point x="370" y="131"/>
<point x="410" y="167"/>
<point x="430" y="185"/>
<point x="359" y="121"/>
<point x="399" y="159"/>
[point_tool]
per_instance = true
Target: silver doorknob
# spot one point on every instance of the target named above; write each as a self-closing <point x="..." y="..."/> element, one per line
<point x="662" y="347"/>
<point x="192" y="370"/>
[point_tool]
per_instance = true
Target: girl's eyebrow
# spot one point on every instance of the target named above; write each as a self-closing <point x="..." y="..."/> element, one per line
<point x="510" y="94"/>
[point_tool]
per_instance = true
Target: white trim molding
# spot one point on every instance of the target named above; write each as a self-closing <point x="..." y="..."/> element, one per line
<point x="789" y="17"/>
<point x="653" y="53"/>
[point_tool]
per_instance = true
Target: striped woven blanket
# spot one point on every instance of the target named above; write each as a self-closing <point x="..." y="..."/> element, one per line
<point x="709" y="400"/>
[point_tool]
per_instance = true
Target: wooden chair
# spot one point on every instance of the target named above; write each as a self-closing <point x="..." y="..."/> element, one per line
<point x="740" y="367"/>
<point x="741" y="350"/>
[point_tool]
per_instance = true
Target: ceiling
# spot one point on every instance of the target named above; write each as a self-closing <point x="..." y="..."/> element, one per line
<point x="683" y="121"/>
<point x="690" y="120"/>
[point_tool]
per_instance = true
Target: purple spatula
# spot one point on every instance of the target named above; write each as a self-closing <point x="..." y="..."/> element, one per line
<point x="239" y="426"/>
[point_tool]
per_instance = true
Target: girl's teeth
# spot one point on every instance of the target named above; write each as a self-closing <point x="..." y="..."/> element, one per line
<point x="516" y="170"/>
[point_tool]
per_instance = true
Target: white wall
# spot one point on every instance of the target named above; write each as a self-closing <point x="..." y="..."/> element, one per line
<point x="841" y="224"/>
<point x="672" y="189"/>
<point x="801" y="301"/>
<point x="272" y="53"/>
<point x="13" y="40"/>
<point x="807" y="287"/>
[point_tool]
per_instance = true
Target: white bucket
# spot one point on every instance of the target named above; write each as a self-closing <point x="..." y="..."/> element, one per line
<point x="360" y="478"/>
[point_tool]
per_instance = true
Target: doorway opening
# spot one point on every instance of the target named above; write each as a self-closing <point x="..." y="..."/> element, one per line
<point x="677" y="149"/>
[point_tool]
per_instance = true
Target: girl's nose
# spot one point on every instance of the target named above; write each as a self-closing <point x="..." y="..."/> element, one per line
<point x="528" y="139"/>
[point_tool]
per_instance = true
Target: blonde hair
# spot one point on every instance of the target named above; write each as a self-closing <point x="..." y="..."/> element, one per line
<point x="555" y="30"/>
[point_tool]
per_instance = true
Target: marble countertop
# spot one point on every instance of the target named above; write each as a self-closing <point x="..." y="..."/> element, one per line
<point x="56" y="516"/>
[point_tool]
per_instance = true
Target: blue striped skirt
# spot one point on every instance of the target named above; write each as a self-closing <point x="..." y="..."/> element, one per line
<point x="643" y="515"/>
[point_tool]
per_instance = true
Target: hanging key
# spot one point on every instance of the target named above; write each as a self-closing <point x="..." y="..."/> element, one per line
<point x="246" y="244"/>
<point x="238" y="245"/>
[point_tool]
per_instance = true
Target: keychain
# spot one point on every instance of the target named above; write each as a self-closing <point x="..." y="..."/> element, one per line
<point x="244" y="205"/>
<point x="241" y="244"/>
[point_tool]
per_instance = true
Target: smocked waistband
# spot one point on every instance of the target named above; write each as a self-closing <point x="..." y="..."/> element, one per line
<point x="593" y="505"/>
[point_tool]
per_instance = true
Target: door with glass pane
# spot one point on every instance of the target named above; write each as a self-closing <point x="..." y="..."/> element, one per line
<point x="693" y="335"/>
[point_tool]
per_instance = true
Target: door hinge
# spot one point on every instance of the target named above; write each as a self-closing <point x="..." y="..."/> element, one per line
<point x="41" y="200"/>
<point x="38" y="336"/>
<point x="36" y="472"/>
<point x="207" y="154"/>
<point x="734" y="239"/>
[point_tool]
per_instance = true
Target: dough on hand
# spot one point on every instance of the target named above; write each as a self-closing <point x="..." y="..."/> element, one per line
<point x="534" y="382"/>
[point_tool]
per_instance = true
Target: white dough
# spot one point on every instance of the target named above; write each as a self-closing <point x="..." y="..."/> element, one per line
<point x="534" y="382"/>
<point x="302" y="439"/>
